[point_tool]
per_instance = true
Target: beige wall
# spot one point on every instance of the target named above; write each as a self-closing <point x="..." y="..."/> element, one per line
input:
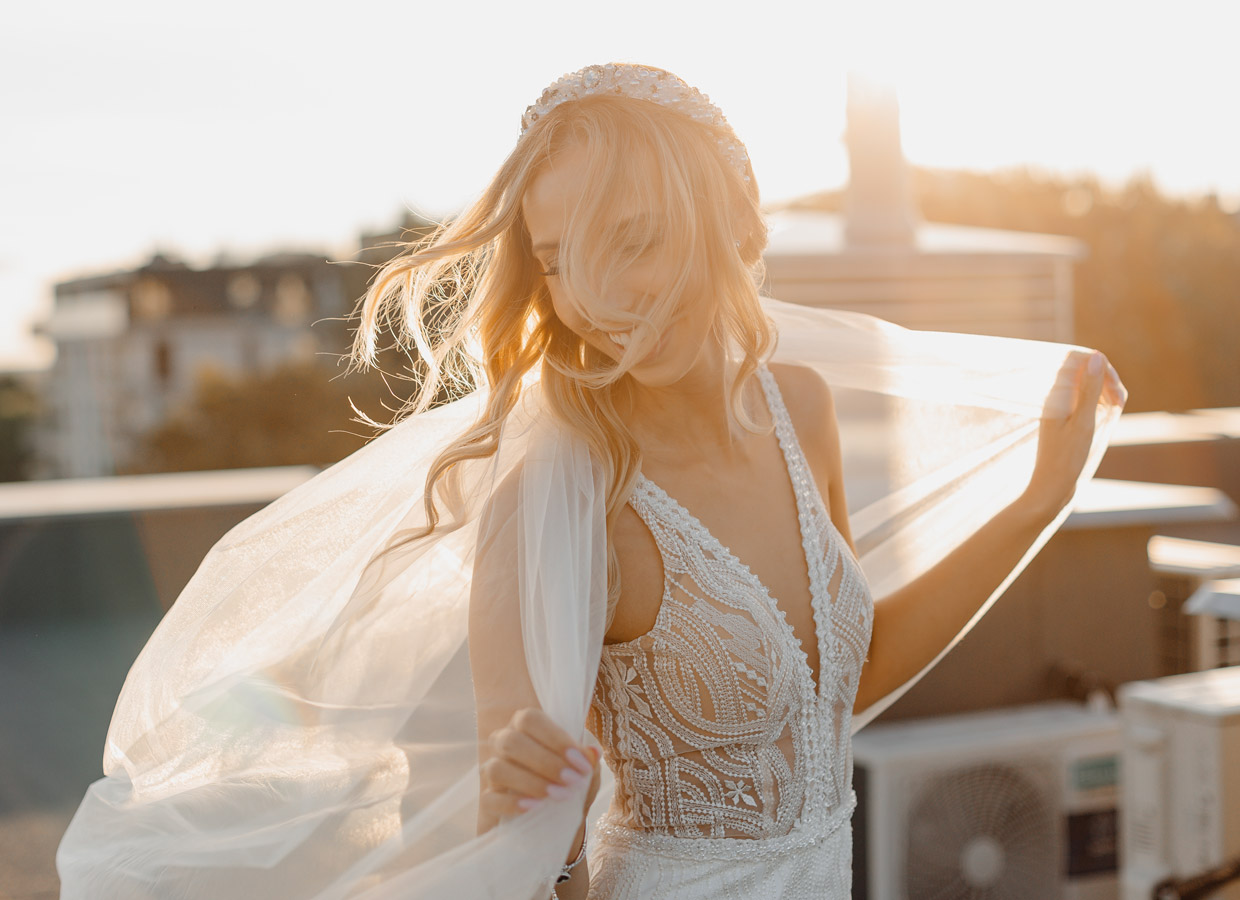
<point x="1082" y="602"/>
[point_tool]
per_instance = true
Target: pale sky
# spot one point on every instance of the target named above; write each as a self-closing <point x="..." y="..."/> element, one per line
<point x="243" y="127"/>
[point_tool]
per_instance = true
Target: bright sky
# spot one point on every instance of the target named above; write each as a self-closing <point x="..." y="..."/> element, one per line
<point x="242" y="127"/>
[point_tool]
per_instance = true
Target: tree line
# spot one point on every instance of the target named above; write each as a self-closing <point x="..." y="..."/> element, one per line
<point x="1159" y="289"/>
<point x="1158" y="292"/>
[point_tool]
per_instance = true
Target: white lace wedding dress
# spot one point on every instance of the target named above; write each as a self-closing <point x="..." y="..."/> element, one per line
<point x="733" y="769"/>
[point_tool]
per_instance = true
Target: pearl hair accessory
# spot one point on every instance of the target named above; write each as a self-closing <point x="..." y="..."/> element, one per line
<point x="641" y="83"/>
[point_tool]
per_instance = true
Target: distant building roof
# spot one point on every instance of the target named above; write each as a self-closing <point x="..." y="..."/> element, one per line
<point x="1222" y="423"/>
<point x="166" y="287"/>
<point x="1111" y="503"/>
<point x="96" y="316"/>
<point x="809" y="232"/>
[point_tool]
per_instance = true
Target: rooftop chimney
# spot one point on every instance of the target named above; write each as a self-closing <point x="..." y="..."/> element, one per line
<point x="878" y="206"/>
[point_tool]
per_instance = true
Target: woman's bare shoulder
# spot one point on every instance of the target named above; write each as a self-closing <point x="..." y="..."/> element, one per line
<point x="810" y="405"/>
<point x="811" y="408"/>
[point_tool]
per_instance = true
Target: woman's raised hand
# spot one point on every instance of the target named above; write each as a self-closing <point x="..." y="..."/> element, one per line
<point x="534" y="760"/>
<point x="1067" y="429"/>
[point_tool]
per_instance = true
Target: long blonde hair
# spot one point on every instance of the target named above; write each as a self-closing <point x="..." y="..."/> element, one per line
<point x="470" y="304"/>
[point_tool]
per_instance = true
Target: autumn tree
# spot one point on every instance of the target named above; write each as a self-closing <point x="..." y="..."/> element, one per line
<point x="296" y="414"/>
<point x="1159" y="290"/>
<point x="18" y="411"/>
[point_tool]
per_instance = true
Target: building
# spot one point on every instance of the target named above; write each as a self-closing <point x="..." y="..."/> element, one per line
<point x="877" y="256"/>
<point x="130" y="345"/>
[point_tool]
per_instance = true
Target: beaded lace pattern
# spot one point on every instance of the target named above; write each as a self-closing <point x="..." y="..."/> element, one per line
<point x="711" y="721"/>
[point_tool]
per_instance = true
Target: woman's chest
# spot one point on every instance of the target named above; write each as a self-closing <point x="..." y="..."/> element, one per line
<point x="753" y="516"/>
<point x="721" y="663"/>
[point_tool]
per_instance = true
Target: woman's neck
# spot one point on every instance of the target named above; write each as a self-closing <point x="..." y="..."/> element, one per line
<point x="690" y="422"/>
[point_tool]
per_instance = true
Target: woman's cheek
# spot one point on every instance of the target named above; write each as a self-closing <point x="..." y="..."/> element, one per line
<point x="565" y="312"/>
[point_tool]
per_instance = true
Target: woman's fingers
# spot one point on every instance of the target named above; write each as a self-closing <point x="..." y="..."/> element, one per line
<point x="1111" y="389"/>
<point x="538" y="725"/>
<point x="533" y="759"/>
<point x="535" y="756"/>
<point x="1078" y="428"/>
<point x="1067" y="430"/>
<point x="1089" y="388"/>
<point x="1088" y="381"/>
<point x="1084" y="380"/>
<point x="1064" y="396"/>
<point x="507" y="776"/>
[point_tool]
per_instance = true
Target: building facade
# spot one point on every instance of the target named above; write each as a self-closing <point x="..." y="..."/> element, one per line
<point x="131" y="345"/>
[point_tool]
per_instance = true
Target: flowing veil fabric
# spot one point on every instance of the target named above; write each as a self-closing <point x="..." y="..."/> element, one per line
<point x="303" y="723"/>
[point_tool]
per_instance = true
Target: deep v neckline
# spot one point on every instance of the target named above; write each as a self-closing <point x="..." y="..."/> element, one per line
<point x="788" y="446"/>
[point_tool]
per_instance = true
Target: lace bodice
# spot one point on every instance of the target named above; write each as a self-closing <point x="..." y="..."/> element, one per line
<point x="711" y="721"/>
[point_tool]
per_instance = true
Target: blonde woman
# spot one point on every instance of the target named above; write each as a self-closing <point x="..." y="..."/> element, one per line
<point x="629" y="545"/>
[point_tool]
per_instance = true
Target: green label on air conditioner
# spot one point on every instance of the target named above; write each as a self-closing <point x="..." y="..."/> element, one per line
<point x="1095" y="772"/>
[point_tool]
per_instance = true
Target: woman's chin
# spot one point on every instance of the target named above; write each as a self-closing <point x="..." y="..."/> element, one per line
<point x="669" y="362"/>
<point x="663" y="370"/>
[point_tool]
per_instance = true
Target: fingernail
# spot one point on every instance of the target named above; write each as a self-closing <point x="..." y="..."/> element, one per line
<point x="558" y="792"/>
<point x="1095" y="364"/>
<point x="528" y="803"/>
<point x="570" y="776"/>
<point x="577" y="760"/>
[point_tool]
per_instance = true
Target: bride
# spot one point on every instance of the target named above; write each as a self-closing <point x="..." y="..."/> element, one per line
<point x="629" y="545"/>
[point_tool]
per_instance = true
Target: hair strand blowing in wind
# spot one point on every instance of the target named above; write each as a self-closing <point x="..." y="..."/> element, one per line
<point x="470" y="305"/>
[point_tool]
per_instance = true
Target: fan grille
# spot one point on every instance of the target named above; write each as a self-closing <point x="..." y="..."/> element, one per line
<point x="982" y="833"/>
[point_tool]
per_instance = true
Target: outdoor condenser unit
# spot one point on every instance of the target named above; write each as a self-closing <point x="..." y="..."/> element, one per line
<point x="1181" y="784"/>
<point x="999" y="805"/>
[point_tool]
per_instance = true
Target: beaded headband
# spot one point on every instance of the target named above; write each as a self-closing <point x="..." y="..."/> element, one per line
<point x="641" y="83"/>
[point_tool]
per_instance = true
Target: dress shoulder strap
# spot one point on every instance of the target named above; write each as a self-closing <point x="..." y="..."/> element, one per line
<point x="783" y="422"/>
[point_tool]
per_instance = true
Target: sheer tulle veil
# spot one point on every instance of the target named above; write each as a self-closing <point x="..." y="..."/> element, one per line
<point x="302" y="723"/>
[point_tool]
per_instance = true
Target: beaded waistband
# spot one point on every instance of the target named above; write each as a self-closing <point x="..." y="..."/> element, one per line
<point x="811" y="829"/>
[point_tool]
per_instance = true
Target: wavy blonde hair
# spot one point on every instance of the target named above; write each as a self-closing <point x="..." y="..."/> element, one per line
<point x="470" y="304"/>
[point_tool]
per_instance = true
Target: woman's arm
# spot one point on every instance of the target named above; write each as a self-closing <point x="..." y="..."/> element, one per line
<point x="524" y="757"/>
<point x="913" y="624"/>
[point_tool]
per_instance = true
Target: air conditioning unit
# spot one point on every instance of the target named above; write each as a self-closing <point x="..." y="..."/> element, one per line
<point x="1181" y="785"/>
<point x="998" y="805"/>
<point x="1187" y="574"/>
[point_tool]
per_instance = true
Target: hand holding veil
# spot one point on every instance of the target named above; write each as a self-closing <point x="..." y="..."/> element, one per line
<point x="303" y="723"/>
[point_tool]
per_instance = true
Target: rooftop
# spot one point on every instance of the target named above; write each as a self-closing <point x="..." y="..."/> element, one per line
<point x="801" y="232"/>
